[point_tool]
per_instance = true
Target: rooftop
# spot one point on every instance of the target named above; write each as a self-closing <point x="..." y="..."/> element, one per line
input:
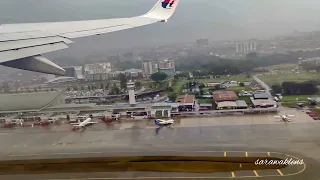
<point x="185" y="99"/>
<point x="224" y="96"/>
<point x="263" y="102"/>
<point x="263" y="95"/>
<point x="226" y="104"/>
<point x="241" y="103"/>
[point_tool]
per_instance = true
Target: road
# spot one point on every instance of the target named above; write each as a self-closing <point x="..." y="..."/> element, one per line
<point x="264" y="85"/>
<point x="300" y="139"/>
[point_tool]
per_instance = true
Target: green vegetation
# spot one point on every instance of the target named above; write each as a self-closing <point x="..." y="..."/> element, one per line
<point x="178" y="84"/>
<point x="271" y="79"/>
<point x="289" y="104"/>
<point x="293" y="98"/>
<point x="239" y="88"/>
<point x="205" y="101"/>
<point x="239" y="78"/>
<point x="246" y="99"/>
<point x="158" y="76"/>
<point x="282" y="67"/>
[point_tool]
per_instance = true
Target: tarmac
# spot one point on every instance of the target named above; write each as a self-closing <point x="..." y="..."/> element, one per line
<point x="236" y="135"/>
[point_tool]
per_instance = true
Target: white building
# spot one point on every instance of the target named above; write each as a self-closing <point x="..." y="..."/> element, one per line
<point x="97" y="71"/>
<point x="246" y="47"/>
<point x="132" y="96"/>
<point x="79" y="72"/>
<point x="149" y="68"/>
<point x="166" y="66"/>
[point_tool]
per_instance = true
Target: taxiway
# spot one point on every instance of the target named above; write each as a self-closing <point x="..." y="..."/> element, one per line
<point x="205" y="136"/>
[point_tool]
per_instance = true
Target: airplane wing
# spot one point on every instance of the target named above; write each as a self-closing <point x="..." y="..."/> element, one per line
<point x="291" y="115"/>
<point x="21" y="45"/>
<point x="92" y="122"/>
<point x="74" y="123"/>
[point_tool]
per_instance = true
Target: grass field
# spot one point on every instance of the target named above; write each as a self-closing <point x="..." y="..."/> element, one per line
<point x="293" y="98"/>
<point x="246" y="99"/>
<point x="205" y="101"/>
<point x="178" y="85"/>
<point x="239" y="78"/>
<point x="283" y="67"/>
<point x="271" y="79"/>
<point x="239" y="88"/>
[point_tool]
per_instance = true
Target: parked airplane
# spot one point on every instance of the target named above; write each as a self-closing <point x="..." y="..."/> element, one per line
<point x="161" y="122"/>
<point x="285" y="118"/>
<point x="22" y="44"/>
<point x="81" y="125"/>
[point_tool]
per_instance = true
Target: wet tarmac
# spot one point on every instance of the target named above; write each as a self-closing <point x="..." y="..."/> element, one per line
<point x="197" y="136"/>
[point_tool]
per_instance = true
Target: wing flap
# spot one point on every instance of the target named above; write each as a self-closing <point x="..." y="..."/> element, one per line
<point x="11" y="36"/>
<point x="37" y="64"/>
<point x="17" y="44"/>
<point x="30" y="51"/>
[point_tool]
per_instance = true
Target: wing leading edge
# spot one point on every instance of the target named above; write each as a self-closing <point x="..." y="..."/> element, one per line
<point x="21" y="45"/>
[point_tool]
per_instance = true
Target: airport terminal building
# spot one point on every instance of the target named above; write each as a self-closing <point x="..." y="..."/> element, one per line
<point x="54" y="102"/>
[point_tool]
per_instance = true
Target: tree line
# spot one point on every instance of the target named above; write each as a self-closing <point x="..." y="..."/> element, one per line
<point x="294" y="88"/>
<point x="217" y="66"/>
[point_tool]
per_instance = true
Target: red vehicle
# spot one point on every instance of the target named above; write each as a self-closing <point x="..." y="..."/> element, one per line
<point x="203" y="109"/>
<point x="313" y="115"/>
<point x="107" y="120"/>
<point x="41" y="123"/>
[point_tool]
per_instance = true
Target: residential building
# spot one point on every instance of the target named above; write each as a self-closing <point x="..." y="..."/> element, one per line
<point x="165" y="66"/>
<point x="246" y="47"/>
<point x="168" y="67"/>
<point x="97" y="71"/>
<point x="129" y="72"/>
<point x="149" y="67"/>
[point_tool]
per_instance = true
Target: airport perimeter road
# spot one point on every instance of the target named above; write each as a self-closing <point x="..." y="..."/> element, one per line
<point x="264" y="85"/>
<point x="301" y="140"/>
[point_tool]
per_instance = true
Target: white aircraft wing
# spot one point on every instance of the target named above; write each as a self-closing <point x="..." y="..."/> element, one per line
<point x="78" y="125"/>
<point x="291" y="115"/>
<point x="21" y="45"/>
<point x="92" y="122"/>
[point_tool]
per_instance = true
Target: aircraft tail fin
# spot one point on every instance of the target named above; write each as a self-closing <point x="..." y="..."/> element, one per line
<point x="162" y="10"/>
<point x="157" y="123"/>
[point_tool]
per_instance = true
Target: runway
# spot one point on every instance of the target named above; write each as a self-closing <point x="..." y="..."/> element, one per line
<point x="299" y="139"/>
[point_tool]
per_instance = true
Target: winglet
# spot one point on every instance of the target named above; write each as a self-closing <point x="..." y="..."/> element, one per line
<point x="162" y="10"/>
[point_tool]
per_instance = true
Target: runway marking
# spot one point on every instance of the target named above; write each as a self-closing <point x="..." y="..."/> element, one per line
<point x="77" y="153"/>
<point x="255" y="173"/>
<point x="246" y="154"/>
<point x="21" y="155"/>
<point x="279" y="171"/>
<point x="233" y="175"/>
<point x="170" y="177"/>
<point x="225" y="154"/>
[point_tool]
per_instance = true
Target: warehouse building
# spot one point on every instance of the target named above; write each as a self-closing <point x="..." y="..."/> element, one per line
<point x="187" y="102"/>
<point x="219" y="96"/>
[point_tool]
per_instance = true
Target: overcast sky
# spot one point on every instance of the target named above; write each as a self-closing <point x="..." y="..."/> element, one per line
<point x="215" y="19"/>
